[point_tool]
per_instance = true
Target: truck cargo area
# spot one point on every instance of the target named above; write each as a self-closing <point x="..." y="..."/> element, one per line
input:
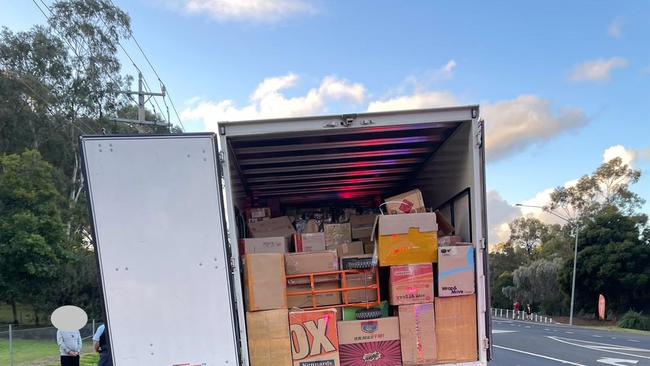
<point x="358" y="161"/>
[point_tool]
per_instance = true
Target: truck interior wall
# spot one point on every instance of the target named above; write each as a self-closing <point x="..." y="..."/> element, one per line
<point x="445" y="179"/>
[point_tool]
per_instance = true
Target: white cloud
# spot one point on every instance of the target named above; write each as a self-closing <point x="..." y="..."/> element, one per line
<point x="268" y="101"/>
<point x="628" y="156"/>
<point x="599" y="70"/>
<point x="414" y="101"/>
<point x="248" y="10"/>
<point x="513" y="125"/>
<point x="615" y="28"/>
<point x="500" y="213"/>
<point x="447" y="71"/>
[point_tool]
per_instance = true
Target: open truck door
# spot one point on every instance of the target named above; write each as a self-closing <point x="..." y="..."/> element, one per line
<point x="159" y="235"/>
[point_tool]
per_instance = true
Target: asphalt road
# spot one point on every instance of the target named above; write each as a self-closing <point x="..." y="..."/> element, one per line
<point x="531" y="344"/>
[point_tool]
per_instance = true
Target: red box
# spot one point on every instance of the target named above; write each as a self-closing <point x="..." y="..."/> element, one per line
<point x="411" y="284"/>
<point x="314" y="340"/>
<point x="373" y="342"/>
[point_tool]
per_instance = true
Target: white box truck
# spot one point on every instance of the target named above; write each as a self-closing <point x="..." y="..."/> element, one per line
<point x="165" y="214"/>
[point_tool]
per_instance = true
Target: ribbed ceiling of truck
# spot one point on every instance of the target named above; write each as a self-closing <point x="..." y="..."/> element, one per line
<point x="356" y="166"/>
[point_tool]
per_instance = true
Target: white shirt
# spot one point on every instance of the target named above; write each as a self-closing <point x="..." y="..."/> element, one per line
<point x="68" y="341"/>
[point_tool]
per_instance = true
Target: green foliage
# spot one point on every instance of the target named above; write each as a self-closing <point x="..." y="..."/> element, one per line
<point x="537" y="283"/>
<point x="527" y="233"/>
<point x="32" y="233"/>
<point x="613" y="261"/>
<point x="635" y="320"/>
<point x="503" y="262"/>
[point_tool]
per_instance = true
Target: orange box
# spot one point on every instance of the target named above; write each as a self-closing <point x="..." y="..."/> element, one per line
<point x="408" y="239"/>
<point x="411" y="284"/>
<point x="314" y="339"/>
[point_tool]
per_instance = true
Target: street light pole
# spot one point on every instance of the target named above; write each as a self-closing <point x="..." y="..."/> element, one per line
<point x="575" y="252"/>
<point x="573" y="282"/>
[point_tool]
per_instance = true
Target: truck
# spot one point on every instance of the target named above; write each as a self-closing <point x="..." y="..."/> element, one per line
<point x="166" y="214"/>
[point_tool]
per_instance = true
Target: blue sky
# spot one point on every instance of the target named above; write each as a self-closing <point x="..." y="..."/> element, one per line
<point x="559" y="82"/>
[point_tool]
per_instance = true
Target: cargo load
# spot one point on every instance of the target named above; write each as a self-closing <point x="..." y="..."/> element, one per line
<point x="408" y="239"/>
<point x="373" y="342"/>
<point x="314" y="337"/>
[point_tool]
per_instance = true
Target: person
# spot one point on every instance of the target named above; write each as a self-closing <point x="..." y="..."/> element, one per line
<point x="529" y="312"/>
<point x="516" y="309"/>
<point x="69" y="346"/>
<point x="101" y="347"/>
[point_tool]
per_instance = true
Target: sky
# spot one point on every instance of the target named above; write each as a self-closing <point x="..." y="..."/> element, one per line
<point x="562" y="86"/>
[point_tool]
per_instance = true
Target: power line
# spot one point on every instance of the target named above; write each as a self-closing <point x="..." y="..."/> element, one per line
<point x="171" y="100"/>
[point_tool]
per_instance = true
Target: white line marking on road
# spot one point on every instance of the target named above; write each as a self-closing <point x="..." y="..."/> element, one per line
<point x="546" y="329"/>
<point x="597" y="336"/>
<point x="634" y="340"/>
<point x="568" y="332"/>
<point x="617" y="361"/>
<point x="604" y="347"/>
<point x="528" y="327"/>
<point x="499" y="331"/>
<point x="541" y="356"/>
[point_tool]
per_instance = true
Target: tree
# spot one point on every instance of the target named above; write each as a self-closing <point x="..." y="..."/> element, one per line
<point x="527" y="233"/>
<point x="503" y="262"/>
<point x="32" y="233"/>
<point x="557" y="242"/>
<point x="608" y="186"/>
<point x="537" y="283"/>
<point x="612" y="260"/>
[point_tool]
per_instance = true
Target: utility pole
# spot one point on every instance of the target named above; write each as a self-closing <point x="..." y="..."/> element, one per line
<point x="143" y="97"/>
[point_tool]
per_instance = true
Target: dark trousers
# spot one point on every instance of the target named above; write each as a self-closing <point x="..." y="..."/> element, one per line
<point x="69" y="360"/>
<point x="105" y="359"/>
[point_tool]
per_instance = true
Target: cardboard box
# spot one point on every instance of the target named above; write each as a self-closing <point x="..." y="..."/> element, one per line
<point x="373" y="342"/>
<point x="314" y="338"/>
<point x="265" y="245"/>
<point x="354" y="248"/>
<point x="368" y="246"/>
<point x="312" y="226"/>
<point x="448" y="240"/>
<point x="456" y="329"/>
<point x="408" y="202"/>
<point x="362" y="225"/>
<point x="444" y="225"/>
<point x="278" y="226"/>
<point x="311" y="262"/>
<point x="337" y="234"/>
<point x="324" y="299"/>
<point x="258" y="214"/>
<point x="411" y="284"/>
<point x="418" y="331"/>
<point x="310" y="242"/>
<point x="408" y="239"/>
<point x="350" y="313"/>
<point x="268" y="337"/>
<point x="361" y="280"/>
<point x="264" y="281"/>
<point x="456" y="267"/>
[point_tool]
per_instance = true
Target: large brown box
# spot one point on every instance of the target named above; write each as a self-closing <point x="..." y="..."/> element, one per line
<point x="305" y="301"/>
<point x="264" y="281"/>
<point x="411" y="284"/>
<point x="310" y="242"/>
<point x="373" y="342"/>
<point x="417" y="329"/>
<point x="269" y="342"/>
<point x="337" y="234"/>
<point x="311" y="262"/>
<point x="354" y="248"/>
<point x="362" y="225"/>
<point x="456" y="270"/>
<point x="278" y="226"/>
<point x="456" y="329"/>
<point x="258" y="214"/>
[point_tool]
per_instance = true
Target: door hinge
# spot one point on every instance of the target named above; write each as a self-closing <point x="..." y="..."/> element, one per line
<point x="486" y="343"/>
<point x="232" y="265"/>
<point x="222" y="157"/>
<point x="481" y="243"/>
<point x="479" y="134"/>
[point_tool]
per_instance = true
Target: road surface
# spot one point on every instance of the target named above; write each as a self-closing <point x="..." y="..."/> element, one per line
<point x="518" y="343"/>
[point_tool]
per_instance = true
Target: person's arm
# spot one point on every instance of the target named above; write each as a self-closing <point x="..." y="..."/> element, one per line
<point x="79" y="343"/>
<point x="60" y="341"/>
<point x="97" y="348"/>
<point x="96" y="337"/>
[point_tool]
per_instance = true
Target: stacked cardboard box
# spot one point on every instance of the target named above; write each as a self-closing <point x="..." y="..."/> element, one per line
<point x="314" y="338"/>
<point x="264" y="281"/>
<point x="407" y="239"/>
<point x="417" y="327"/>
<point x="256" y="214"/>
<point x="411" y="284"/>
<point x="266" y="245"/>
<point x="456" y="328"/>
<point x="373" y="342"/>
<point x="268" y="338"/>
<point x="310" y="242"/>
<point x="456" y="270"/>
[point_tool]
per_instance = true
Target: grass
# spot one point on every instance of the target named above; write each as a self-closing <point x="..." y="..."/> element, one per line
<point x="618" y="329"/>
<point x="40" y="353"/>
